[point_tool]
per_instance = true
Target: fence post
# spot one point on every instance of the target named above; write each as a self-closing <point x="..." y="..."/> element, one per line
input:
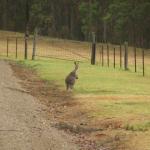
<point x="100" y="58"/>
<point x="143" y="61"/>
<point x="108" y="54"/>
<point x="126" y="56"/>
<point x="114" y="58"/>
<point x="34" y="43"/>
<point x="93" y="54"/>
<point x="16" y="47"/>
<point x="120" y="56"/>
<point x="135" y="58"/>
<point x="26" y="47"/>
<point x="27" y="18"/>
<point x="7" y="46"/>
<point x="102" y="55"/>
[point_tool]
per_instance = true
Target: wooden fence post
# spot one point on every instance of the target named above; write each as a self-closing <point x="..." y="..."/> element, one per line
<point x="120" y="56"/>
<point x="26" y="47"/>
<point x="34" y="44"/>
<point x="102" y="55"/>
<point x="27" y="12"/>
<point x="7" y="46"/>
<point x="135" y="58"/>
<point x="16" y="47"/>
<point x="93" y="54"/>
<point x="108" y="55"/>
<point x="126" y="56"/>
<point x="114" y="58"/>
<point x="143" y="61"/>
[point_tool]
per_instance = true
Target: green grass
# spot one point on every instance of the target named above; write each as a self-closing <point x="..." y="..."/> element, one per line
<point x="92" y="79"/>
<point x="129" y="108"/>
<point x="138" y="127"/>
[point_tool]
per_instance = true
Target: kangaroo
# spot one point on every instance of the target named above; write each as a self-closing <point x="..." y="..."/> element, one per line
<point x="71" y="78"/>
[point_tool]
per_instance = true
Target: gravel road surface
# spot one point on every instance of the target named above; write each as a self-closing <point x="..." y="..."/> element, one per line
<point x="23" y="125"/>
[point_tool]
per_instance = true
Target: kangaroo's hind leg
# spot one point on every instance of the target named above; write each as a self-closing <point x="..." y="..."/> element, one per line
<point x="71" y="86"/>
<point x="67" y="86"/>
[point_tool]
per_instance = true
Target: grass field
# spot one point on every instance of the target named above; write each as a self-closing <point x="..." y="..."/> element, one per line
<point x="93" y="79"/>
<point x="117" y="100"/>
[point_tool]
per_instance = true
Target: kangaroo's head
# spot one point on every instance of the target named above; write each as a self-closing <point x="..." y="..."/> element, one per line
<point x="73" y="73"/>
<point x="76" y="65"/>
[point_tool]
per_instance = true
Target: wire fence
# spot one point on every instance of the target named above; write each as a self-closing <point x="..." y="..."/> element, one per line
<point x="107" y="55"/>
<point x="63" y="49"/>
<point x="13" y="47"/>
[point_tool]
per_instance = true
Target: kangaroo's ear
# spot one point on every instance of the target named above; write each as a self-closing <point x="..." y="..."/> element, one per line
<point x="76" y="62"/>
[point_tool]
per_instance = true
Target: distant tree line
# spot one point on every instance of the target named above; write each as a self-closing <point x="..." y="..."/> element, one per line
<point x="113" y="21"/>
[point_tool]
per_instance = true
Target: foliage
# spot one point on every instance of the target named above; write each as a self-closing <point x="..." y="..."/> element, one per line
<point x="89" y="16"/>
<point x="122" y="19"/>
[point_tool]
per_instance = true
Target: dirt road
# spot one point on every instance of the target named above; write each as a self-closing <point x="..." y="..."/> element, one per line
<point x="22" y="122"/>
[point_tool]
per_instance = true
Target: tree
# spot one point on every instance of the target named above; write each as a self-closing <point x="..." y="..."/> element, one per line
<point x="112" y="20"/>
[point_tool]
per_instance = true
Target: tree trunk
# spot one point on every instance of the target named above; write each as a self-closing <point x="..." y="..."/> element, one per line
<point x="5" y="14"/>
